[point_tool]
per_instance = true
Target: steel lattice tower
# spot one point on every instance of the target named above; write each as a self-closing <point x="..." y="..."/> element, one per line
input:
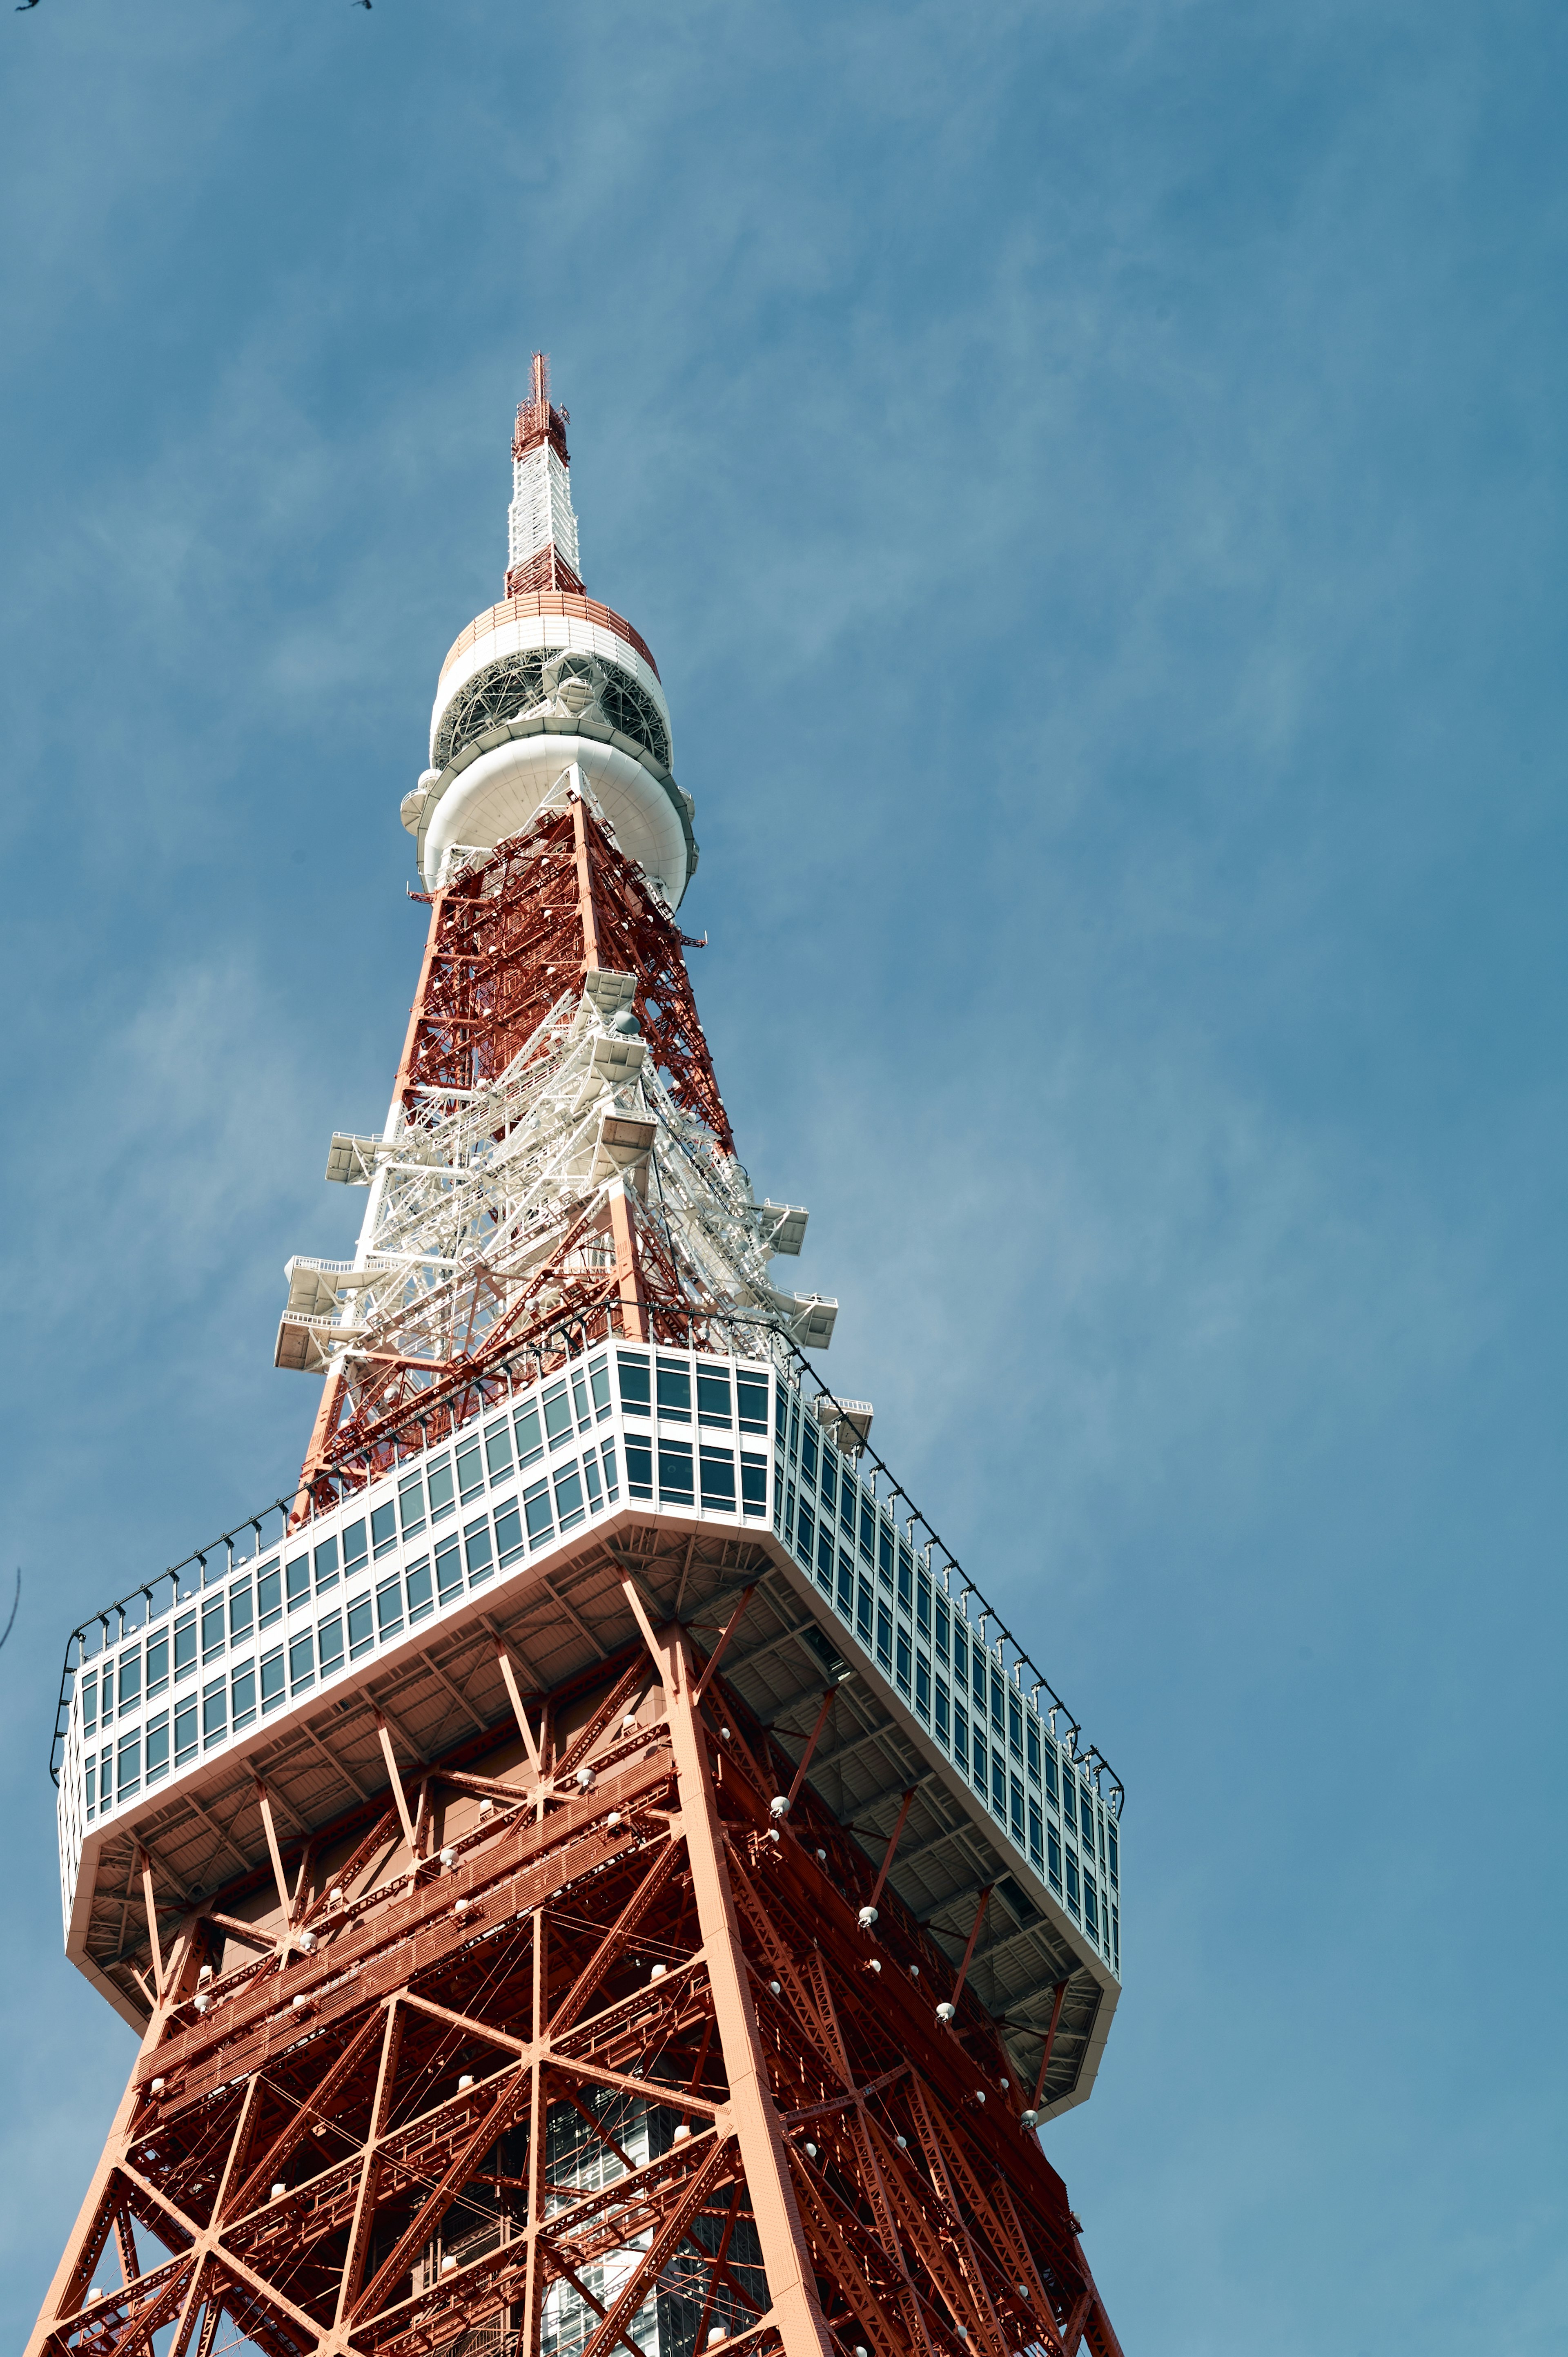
<point x="589" y="1871"/>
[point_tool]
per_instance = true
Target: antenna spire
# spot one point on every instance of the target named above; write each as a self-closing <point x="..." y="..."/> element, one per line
<point x="541" y="538"/>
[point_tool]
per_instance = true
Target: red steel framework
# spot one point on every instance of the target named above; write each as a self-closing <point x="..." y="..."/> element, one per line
<point x="341" y="2144"/>
<point x="505" y="940"/>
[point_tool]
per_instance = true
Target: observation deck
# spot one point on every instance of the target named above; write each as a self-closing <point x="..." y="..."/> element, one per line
<point x="281" y="1651"/>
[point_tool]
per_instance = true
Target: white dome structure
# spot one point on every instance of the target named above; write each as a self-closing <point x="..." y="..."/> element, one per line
<point x="547" y="681"/>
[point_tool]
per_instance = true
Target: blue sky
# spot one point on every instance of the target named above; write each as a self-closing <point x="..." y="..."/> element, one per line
<point x="1093" y="478"/>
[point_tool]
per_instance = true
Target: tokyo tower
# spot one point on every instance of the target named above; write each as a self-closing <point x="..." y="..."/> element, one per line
<point x="591" y="1874"/>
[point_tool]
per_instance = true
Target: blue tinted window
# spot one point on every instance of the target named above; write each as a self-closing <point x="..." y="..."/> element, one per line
<point x="157" y="1747"/>
<point x="185" y="1729"/>
<point x="863" y="1613"/>
<point x="639" y="1469"/>
<point x="301" y="1661"/>
<point x="470" y="1472"/>
<point x="384" y="1529"/>
<point x="558" y="1425"/>
<point x="845" y="1600"/>
<point x="354" y="1547"/>
<point x="675" y="1472"/>
<point x="922" y="1686"/>
<point x="718" y="1488"/>
<point x="753" y="1483"/>
<point x="389" y="1608"/>
<point x="214" y="1635"/>
<point x="214" y="1713"/>
<point x="298" y="1582"/>
<point x="448" y="1568"/>
<point x="274" y="1683"/>
<point x="420" y="1600"/>
<point x="242" y="1696"/>
<point x="361" y="1629"/>
<point x="498" y="1448"/>
<point x="477" y="1550"/>
<point x="128" y="1769"/>
<point x="636" y="1397"/>
<point x="327" y="1562"/>
<point x="712" y="1398"/>
<point x="438" y="1481"/>
<point x="536" y="1512"/>
<point x="410" y="1505"/>
<point x="675" y="1391"/>
<point x="329" y="1642"/>
<point x="241" y="1608"/>
<point x="751" y="1402"/>
<point x="530" y="1439"/>
<point x="509" y="1535"/>
<point x="269" y="1595"/>
<point x="901" y="1659"/>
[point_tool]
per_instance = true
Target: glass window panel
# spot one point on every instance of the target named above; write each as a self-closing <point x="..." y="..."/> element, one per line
<point x="471" y="1471"/>
<point x="421" y="1592"/>
<point x="90" y="1788"/>
<point x="960" y="1733"/>
<point x="214" y="1629"/>
<point x="356" y="1547"/>
<point x="580" y="1399"/>
<point x="477" y="1550"/>
<point x="243" y="1695"/>
<point x="157" y="1747"/>
<point x="498" y="1448"/>
<point x="570" y="1508"/>
<point x="885" y="1557"/>
<point x="675" y="1472"/>
<point x="362" y="1628"/>
<point x="863" y="1612"/>
<point x="242" y="1611"/>
<point x="713" y="1399"/>
<point x="448" y="1569"/>
<point x="438" y="1481"/>
<point x="639" y="1469"/>
<point x="1051" y="1770"/>
<point x="1032" y="1742"/>
<point x="1036" y="1834"/>
<point x="940" y="1715"/>
<point x="901" y="1659"/>
<point x="599" y="1384"/>
<point x="389" y="1608"/>
<point x="269" y="1594"/>
<point x="558" y="1424"/>
<point x="753" y="1483"/>
<point x="867" y="1529"/>
<point x="509" y="1534"/>
<point x="410" y="1505"/>
<point x="384" y="1529"/>
<point x="607" y="1453"/>
<point x="273" y="1680"/>
<point x="296" y="1580"/>
<point x="959" y="1655"/>
<point x="326" y="1564"/>
<point x="922" y="1686"/>
<point x="674" y="1391"/>
<point x="636" y="1397"/>
<point x="529" y="1436"/>
<point x="1073" y="1882"/>
<point x="128" y="1767"/>
<point x="1014" y="1722"/>
<point x="718" y="1491"/>
<point x="330" y="1644"/>
<point x="536" y="1512"/>
<point x="829" y="1479"/>
<point x="1091" y="1910"/>
<point x="591" y="1475"/>
<point x="844" y="1598"/>
<point x="90" y="1702"/>
<point x="751" y="1401"/>
<point x="214" y="1712"/>
<point x="1016" y="1814"/>
<point x="805" y="1525"/>
<point x="302" y="1662"/>
<point x="998" y="1694"/>
<point x="131" y="1674"/>
<point x="943" y="1627"/>
<point x="1111" y="1838"/>
<point x="186" y="1720"/>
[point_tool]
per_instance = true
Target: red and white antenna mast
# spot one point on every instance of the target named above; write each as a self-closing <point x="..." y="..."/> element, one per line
<point x="541" y="539"/>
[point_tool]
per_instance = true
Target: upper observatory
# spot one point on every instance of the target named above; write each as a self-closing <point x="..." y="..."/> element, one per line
<point x="546" y="679"/>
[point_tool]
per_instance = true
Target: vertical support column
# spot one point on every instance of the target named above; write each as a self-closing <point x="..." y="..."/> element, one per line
<point x="628" y="1264"/>
<point x="92" y="2223"/>
<point x="786" y="2260"/>
<point x="587" y="909"/>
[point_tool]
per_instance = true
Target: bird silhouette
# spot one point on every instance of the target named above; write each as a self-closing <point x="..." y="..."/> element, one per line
<point x="353" y="3"/>
<point x="22" y="4"/>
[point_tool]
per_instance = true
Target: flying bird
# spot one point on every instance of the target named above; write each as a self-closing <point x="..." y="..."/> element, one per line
<point x="33" y="4"/>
